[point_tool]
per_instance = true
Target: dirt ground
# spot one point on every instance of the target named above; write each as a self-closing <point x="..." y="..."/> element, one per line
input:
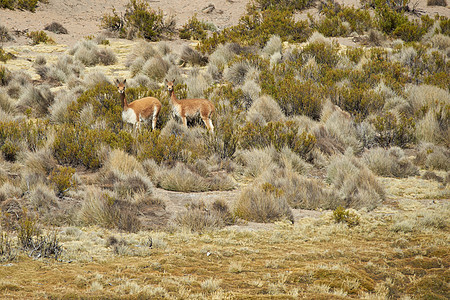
<point x="82" y="18"/>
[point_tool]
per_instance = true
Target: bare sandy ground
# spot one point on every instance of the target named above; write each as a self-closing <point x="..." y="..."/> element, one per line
<point x="82" y="18"/>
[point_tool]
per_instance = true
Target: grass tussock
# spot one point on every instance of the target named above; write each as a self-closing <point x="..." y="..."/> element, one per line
<point x="390" y="162"/>
<point x="355" y="183"/>
<point x="200" y="217"/>
<point x="432" y="157"/>
<point x="89" y="54"/>
<point x="263" y="203"/>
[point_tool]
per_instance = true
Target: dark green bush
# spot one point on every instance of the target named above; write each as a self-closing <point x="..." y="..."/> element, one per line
<point x="413" y="31"/>
<point x="341" y="215"/>
<point x="278" y="134"/>
<point x="290" y="4"/>
<point x="139" y="18"/>
<point x="359" y="102"/>
<point x="62" y="178"/>
<point x="29" y="5"/>
<point x="10" y="150"/>
<point x="394" y="131"/>
<point x="256" y="28"/>
<point x="38" y="37"/>
<point x="4" y="56"/>
<point x="194" y="29"/>
<point x="295" y="97"/>
<point x="153" y="145"/>
<point x="388" y="19"/>
<point x="77" y="146"/>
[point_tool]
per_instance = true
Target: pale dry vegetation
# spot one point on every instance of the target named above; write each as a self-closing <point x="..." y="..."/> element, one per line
<point x="326" y="176"/>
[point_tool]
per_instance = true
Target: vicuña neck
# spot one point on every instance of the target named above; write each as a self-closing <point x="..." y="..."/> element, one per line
<point x="123" y="100"/>
<point x="173" y="97"/>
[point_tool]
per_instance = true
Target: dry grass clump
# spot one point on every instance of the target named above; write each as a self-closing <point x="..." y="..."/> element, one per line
<point x="155" y="68"/>
<point x="433" y="157"/>
<point x="200" y="217"/>
<point x="356" y="184"/>
<point x="37" y="99"/>
<point x="251" y="91"/>
<point x="193" y="57"/>
<point x="182" y="179"/>
<point x="273" y="45"/>
<point x="65" y="69"/>
<point x="101" y="207"/>
<point x="423" y="220"/>
<point x="299" y="191"/>
<point x="125" y="175"/>
<point x="90" y="54"/>
<point x="43" y="198"/>
<point x="6" y="105"/>
<point x="263" y="203"/>
<point x="256" y="161"/>
<point x="440" y="41"/>
<point x="197" y="82"/>
<point x="389" y="162"/>
<point x="236" y="72"/>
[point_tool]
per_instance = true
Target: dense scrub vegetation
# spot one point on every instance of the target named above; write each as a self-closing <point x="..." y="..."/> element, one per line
<point x="307" y="124"/>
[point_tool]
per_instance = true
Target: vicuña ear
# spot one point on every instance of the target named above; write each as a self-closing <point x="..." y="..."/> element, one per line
<point x="166" y="80"/>
<point x="116" y="81"/>
<point x="173" y="81"/>
<point x="124" y="81"/>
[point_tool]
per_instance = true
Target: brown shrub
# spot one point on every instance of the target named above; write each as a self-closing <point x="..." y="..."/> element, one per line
<point x="389" y="162"/>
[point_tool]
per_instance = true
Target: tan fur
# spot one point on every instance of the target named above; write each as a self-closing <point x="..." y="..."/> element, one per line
<point x="144" y="108"/>
<point x="191" y="107"/>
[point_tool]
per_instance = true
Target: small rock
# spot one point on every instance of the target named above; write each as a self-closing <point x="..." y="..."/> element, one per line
<point x="209" y="9"/>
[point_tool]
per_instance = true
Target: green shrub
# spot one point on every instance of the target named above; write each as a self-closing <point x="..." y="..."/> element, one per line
<point x="38" y="37"/>
<point x="290" y="4"/>
<point x="4" y="56"/>
<point x="194" y="29"/>
<point x="10" y="150"/>
<point x="161" y="148"/>
<point x="32" y="134"/>
<point x="413" y="31"/>
<point x="139" y="18"/>
<point x="277" y="134"/>
<point x="342" y="215"/>
<point x="256" y="28"/>
<point x="388" y="19"/>
<point x="27" y="230"/>
<point x="62" y="178"/>
<point x="359" y="102"/>
<point x="77" y="145"/>
<point x="295" y="97"/>
<point x="9" y="4"/>
<point x="394" y="131"/>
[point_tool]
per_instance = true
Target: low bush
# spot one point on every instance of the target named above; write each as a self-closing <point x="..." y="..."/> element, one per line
<point x="38" y="37"/>
<point x="139" y="20"/>
<point x="87" y="52"/>
<point x="394" y="131"/>
<point x="56" y="27"/>
<point x="342" y="215"/>
<point x="391" y="162"/>
<point x="432" y="157"/>
<point x="62" y="178"/>
<point x="194" y="29"/>
<point x="437" y="3"/>
<point x="279" y="135"/>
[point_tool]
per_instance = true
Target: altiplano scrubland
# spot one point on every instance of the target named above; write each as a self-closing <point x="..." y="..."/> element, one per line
<point x="313" y="162"/>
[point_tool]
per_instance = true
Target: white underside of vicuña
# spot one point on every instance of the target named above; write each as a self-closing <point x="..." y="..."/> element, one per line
<point x="129" y="116"/>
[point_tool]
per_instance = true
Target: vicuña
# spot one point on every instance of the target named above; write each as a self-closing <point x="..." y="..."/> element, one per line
<point x="139" y="110"/>
<point x="190" y="108"/>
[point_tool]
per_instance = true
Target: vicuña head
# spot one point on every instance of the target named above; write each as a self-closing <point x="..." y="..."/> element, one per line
<point x="190" y="108"/>
<point x="139" y="110"/>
